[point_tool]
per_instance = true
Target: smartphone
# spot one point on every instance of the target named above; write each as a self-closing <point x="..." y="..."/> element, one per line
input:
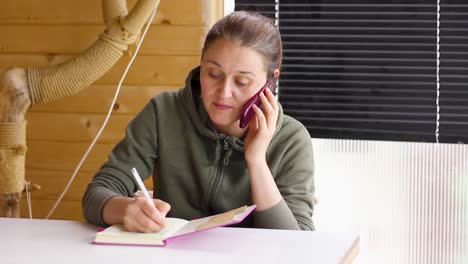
<point x="247" y="112"/>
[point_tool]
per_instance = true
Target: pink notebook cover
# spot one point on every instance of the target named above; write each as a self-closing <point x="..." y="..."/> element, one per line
<point x="247" y="212"/>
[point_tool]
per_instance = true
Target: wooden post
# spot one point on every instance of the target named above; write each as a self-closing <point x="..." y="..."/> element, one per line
<point x="14" y="102"/>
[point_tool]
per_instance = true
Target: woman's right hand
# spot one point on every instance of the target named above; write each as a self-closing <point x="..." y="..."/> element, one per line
<point x="141" y="216"/>
<point x="136" y="214"/>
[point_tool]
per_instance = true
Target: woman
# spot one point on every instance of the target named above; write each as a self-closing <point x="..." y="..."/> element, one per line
<point x="202" y="162"/>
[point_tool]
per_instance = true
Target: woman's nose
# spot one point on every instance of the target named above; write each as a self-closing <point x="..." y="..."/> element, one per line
<point x="225" y="89"/>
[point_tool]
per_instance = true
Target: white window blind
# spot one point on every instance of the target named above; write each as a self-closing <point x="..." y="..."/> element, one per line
<point x="369" y="69"/>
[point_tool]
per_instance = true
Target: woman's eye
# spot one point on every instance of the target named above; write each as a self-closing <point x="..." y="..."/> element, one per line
<point x="242" y="84"/>
<point x="215" y="76"/>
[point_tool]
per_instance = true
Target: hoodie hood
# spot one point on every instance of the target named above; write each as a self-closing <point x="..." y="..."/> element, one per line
<point x="191" y="99"/>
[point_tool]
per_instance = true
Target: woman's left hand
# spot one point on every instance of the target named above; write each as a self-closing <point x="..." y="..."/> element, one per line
<point x="261" y="128"/>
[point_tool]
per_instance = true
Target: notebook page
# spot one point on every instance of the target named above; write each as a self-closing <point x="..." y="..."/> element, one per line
<point x="116" y="234"/>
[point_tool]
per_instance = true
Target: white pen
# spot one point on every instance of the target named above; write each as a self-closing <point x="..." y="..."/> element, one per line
<point x="142" y="186"/>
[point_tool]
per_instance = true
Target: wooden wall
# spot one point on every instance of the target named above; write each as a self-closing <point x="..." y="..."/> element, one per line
<point x="38" y="33"/>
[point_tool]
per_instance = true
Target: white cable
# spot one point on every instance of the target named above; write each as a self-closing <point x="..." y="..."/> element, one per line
<point x="277" y="21"/>
<point x="108" y="113"/>
<point x="437" y="73"/>
<point x="28" y="197"/>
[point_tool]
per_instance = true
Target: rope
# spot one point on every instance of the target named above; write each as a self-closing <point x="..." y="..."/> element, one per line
<point x="12" y="157"/>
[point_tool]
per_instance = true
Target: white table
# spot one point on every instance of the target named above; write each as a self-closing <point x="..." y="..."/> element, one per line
<point x="58" y="241"/>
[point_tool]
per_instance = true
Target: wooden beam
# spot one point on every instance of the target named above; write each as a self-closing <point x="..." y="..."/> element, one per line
<point x="73" y="39"/>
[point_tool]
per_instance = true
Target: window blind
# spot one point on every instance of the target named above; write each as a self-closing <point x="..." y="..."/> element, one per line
<point x="369" y="69"/>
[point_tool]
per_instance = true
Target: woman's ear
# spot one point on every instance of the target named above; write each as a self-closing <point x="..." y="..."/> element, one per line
<point x="276" y="73"/>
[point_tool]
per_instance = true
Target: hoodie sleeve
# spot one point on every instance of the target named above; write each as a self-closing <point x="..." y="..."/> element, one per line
<point x="138" y="149"/>
<point x="292" y="164"/>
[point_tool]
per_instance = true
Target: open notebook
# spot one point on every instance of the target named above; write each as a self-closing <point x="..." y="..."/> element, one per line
<point x="116" y="234"/>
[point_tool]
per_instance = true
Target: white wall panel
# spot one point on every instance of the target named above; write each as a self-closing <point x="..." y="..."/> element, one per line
<point x="409" y="201"/>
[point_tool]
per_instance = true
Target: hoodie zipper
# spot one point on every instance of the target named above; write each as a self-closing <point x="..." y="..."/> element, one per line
<point x="219" y="174"/>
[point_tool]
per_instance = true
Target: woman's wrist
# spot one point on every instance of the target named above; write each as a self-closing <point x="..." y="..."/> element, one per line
<point x="114" y="210"/>
<point x="256" y="164"/>
<point x="255" y="160"/>
<point x="265" y="193"/>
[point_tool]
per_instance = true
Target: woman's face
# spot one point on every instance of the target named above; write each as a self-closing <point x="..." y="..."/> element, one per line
<point x="229" y="76"/>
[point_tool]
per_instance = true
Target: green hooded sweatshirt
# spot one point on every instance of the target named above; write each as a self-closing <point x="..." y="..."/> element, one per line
<point x="201" y="172"/>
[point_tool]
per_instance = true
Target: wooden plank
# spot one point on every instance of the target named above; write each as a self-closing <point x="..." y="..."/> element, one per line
<point x="96" y="99"/>
<point x="65" y="156"/>
<point x="76" y="127"/>
<point x="73" y="39"/>
<point x="66" y="210"/>
<point x="213" y="11"/>
<point x="175" y="12"/>
<point x="153" y="70"/>
<point x="146" y="70"/>
<point x="53" y="184"/>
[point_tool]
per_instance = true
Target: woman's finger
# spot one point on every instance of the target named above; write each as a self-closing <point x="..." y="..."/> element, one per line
<point x="162" y="207"/>
<point x="152" y="212"/>
<point x="271" y="98"/>
<point x="131" y="224"/>
<point x="269" y="110"/>
<point x="253" y="125"/>
<point x="146" y="214"/>
<point x="145" y="224"/>
<point x="262" y="123"/>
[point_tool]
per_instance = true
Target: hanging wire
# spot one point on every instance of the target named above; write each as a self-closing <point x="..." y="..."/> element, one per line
<point x="437" y="73"/>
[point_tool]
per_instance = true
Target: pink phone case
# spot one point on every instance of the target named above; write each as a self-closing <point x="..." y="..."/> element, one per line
<point x="247" y="111"/>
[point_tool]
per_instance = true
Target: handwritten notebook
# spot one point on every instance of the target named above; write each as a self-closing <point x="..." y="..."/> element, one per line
<point x="116" y="234"/>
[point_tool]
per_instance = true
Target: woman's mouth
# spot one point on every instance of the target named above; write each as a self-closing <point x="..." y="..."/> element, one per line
<point x="220" y="106"/>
